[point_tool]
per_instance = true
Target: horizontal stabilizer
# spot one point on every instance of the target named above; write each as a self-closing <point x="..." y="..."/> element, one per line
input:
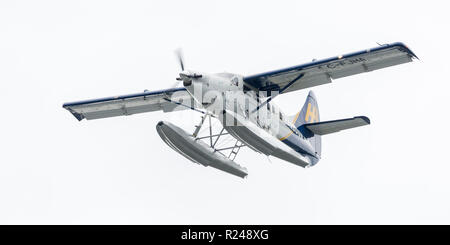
<point x="328" y="127"/>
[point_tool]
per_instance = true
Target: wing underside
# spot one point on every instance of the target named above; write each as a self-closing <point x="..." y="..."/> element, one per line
<point x="166" y="100"/>
<point x="324" y="71"/>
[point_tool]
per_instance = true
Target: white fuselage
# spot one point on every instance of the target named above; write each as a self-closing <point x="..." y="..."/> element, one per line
<point x="265" y="129"/>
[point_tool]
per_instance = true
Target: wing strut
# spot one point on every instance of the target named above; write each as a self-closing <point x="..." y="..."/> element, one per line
<point x="280" y="92"/>
<point x="189" y="107"/>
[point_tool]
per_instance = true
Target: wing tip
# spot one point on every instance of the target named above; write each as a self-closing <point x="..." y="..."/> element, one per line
<point x="77" y="115"/>
<point x="365" y="119"/>
<point x="406" y="48"/>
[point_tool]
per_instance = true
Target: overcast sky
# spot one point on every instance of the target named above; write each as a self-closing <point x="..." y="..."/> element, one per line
<point x="56" y="170"/>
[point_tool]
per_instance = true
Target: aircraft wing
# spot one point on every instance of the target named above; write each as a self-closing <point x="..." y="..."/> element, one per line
<point x="166" y="100"/>
<point x="328" y="127"/>
<point x="323" y="71"/>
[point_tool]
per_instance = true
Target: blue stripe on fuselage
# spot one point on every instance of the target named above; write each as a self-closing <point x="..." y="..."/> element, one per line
<point x="295" y="142"/>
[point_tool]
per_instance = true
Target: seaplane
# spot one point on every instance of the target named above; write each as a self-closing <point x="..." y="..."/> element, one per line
<point x="243" y="109"/>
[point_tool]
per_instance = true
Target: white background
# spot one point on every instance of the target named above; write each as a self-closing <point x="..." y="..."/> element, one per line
<point x="56" y="170"/>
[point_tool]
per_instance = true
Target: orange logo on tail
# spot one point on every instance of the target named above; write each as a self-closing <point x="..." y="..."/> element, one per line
<point x="311" y="115"/>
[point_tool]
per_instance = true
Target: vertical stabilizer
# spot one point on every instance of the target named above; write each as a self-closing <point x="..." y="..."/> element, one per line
<point x="309" y="114"/>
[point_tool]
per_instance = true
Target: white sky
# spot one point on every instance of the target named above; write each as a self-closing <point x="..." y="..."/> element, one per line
<point x="56" y="170"/>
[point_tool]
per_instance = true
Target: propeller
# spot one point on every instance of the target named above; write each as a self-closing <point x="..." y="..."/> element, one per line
<point x="179" y="54"/>
<point x="185" y="76"/>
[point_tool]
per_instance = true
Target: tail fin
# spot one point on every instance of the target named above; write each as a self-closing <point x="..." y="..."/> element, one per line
<point x="309" y="112"/>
